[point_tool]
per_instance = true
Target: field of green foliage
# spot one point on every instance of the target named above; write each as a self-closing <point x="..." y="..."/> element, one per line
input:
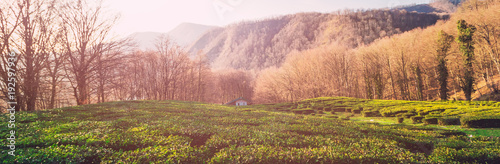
<point x="474" y="114"/>
<point x="318" y="130"/>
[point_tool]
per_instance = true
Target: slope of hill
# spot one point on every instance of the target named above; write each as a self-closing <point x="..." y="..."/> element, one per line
<point x="187" y="132"/>
<point x="145" y="40"/>
<point x="436" y="6"/>
<point x="184" y="34"/>
<point x="401" y="66"/>
<point x="424" y="8"/>
<point x="265" y="43"/>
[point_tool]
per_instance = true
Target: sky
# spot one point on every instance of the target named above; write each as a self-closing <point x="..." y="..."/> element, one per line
<point x="164" y="15"/>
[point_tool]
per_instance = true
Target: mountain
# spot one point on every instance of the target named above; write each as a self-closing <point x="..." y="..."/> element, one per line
<point x="437" y="7"/>
<point x="184" y="34"/>
<point x="255" y="45"/>
<point x="145" y="40"/>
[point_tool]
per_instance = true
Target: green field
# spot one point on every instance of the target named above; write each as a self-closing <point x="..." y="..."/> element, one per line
<point x="309" y="131"/>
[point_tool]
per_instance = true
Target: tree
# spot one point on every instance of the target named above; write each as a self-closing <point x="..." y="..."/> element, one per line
<point x="444" y="44"/>
<point x="419" y="82"/>
<point x="466" y="42"/>
<point x="54" y="66"/>
<point x="86" y="29"/>
<point x="35" y="32"/>
<point x="109" y="61"/>
<point x="10" y="18"/>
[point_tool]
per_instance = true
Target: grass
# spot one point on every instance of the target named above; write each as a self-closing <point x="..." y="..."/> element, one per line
<point x="190" y="132"/>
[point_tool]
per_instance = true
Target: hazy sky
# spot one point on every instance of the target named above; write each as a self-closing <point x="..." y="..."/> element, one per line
<point x="164" y="15"/>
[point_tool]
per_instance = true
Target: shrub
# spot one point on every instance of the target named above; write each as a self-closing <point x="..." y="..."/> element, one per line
<point x="348" y="110"/>
<point x="430" y="121"/>
<point x="393" y="113"/>
<point x="401" y="119"/>
<point x="431" y="111"/>
<point x="368" y="114"/>
<point x="416" y="119"/>
<point x="338" y="109"/>
<point x="330" y="116"/>
<point x="303" y="111"/>
<point x="408" y="115"/>
<point x="327" y="109"/>
<point x="481" y="122"/>
<point x="356" y="111"/>
<point x="449" y="121"/>
<point x="321" y="112"/>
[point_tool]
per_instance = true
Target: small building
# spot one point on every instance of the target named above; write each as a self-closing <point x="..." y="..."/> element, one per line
<point x="238" y="102"/>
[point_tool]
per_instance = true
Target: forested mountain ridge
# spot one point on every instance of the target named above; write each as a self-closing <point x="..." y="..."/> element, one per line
<point x="261" y="44"/>
<point x="421" y="64"/>
<point x="435" y="6"/>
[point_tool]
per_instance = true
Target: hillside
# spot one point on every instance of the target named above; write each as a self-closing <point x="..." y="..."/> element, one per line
<point x="435" y="6"/>
<point x="188" y="132"/>
<point x="265" y="43"/>
<point x="184" y="34"/>
<point x="399" y="67"/>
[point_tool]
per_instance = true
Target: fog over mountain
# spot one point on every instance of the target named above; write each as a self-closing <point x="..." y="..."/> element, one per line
<point x="184" y="34"/>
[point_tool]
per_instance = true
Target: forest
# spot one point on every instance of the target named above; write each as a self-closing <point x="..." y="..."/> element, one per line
<point x="453" y="59"/>
<point x="66" y="55"/>
<point x="256" y="45"/>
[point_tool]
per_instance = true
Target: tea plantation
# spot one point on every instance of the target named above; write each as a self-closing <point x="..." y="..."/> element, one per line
<point x="318" y="130"/>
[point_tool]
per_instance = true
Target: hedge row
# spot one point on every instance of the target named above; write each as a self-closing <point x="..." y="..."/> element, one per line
<point x="370" y="113"/>
<point x="430" y="121"/>
<point x="416" y="119"/>
<point x="303" y="111"/>
<point x="449" y="121"/>
<point x="481" y="121"/>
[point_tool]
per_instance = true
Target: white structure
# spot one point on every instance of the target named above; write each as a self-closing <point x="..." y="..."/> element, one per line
<point x="238" y="102"/>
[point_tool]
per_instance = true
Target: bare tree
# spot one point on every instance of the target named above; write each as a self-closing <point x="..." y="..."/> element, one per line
<point x="35" y="32"/>
<point x="10" y="18"/>
<point x="54" y="66"/>
<point x="86" y="29"/>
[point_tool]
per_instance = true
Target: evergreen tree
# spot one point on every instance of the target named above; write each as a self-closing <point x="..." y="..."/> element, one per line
<point x="464" y="39"/>
<point x="420" y="84"/>
<point x="444" y="44"/>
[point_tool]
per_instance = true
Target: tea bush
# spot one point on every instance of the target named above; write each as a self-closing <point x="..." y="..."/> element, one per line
<point x="190" y="132"/>
<point x="449" y="121"/>
<point x="401" y="119"/>
<point x="480" y="121"/>
<point x="416" y="119"/>
<point x="430" y="120"/>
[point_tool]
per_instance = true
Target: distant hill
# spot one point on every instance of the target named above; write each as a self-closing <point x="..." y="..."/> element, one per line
<point x="184" y="34"/>
<point x="436" y="6"/>
<point x="423" y="8"/>
<point x="187" y="33"/>
<point x="255" y="45"/>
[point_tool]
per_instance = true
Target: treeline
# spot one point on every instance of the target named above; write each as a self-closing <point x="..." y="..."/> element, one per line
<point x="67" y="56"/>
<point x="444" y="61"/>
<point x="59" y="44"/>
<point x="256" y="45"/>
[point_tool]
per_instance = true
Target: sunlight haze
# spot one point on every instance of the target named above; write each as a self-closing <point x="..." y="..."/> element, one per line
<point x="164" y="15"/>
